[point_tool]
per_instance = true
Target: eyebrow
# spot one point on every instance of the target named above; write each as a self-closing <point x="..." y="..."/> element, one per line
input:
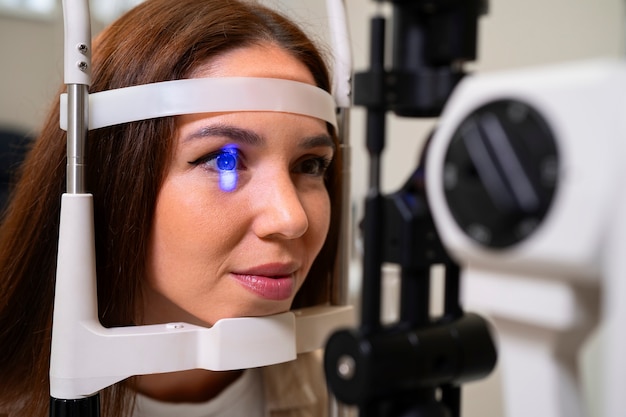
<point x="249" y="137"/>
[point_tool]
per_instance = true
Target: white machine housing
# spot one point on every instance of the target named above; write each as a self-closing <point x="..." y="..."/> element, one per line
<point x="545" y="293"/>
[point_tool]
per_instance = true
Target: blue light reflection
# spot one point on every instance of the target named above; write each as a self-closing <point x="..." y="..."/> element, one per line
<point x="227" y="163"/>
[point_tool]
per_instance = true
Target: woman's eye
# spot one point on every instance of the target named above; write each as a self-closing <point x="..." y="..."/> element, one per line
<point x="226" y="163"/>
<point x="315" y="166"/>
<point x="227" y="159"/>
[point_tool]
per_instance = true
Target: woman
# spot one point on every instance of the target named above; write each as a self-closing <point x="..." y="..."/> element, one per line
<point x="172" y="245"/>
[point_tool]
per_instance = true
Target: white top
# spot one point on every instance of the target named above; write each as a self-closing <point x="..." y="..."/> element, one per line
<point x="244" y="397"/>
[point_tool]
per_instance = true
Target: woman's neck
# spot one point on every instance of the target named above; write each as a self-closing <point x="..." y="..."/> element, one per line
<point x="192" y="386"/>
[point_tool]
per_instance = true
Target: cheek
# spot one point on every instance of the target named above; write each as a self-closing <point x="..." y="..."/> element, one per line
<point x="191" y="229"/>
<point x="319" y="219"/>
<point x="179" y="212"/>
<point x="189" y="206"/>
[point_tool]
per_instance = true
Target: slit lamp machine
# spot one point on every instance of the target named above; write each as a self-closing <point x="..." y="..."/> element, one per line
<point x="517" y="195"/>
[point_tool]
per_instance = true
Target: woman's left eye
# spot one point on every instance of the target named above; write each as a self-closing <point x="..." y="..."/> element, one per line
<point x="314" y="166"/>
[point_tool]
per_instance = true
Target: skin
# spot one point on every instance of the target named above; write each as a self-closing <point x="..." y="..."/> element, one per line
<point x="209" y="247"/>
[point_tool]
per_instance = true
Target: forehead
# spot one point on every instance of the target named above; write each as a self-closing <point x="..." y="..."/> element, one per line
<point x="264" y="60"/>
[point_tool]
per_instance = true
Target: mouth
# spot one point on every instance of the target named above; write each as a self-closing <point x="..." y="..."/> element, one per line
<point x="272" y="281"/>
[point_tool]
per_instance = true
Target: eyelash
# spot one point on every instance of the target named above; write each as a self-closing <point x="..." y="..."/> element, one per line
<point x="211" y="160"/>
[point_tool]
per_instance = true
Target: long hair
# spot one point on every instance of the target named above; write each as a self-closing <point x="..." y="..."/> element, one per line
<point x="157" y="41"/>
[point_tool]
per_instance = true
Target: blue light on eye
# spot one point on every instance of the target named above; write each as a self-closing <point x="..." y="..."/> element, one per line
<point x="226" y="163"/>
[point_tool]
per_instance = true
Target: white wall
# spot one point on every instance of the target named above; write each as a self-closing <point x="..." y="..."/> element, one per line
<point x="514" y="34"/>
<point x="31" y="69"/>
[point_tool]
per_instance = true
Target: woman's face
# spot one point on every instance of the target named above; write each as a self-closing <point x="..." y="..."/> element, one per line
<point x="243" y="210"/>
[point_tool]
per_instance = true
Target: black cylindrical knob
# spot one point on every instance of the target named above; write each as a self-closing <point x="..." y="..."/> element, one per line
<point x="82" y="407"/>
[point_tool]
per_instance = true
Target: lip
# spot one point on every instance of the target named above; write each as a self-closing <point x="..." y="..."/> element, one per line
<point x="271" y="281"/>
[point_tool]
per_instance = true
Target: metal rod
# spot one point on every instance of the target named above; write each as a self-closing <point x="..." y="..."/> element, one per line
<point x="77" y="98"/>
<point x="340" y="292"/>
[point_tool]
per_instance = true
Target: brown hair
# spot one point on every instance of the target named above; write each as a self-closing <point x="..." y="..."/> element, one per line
<point x="157" y="41"/>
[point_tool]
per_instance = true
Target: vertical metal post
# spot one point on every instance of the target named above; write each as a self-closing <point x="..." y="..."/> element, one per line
<point x="77" y="100"/>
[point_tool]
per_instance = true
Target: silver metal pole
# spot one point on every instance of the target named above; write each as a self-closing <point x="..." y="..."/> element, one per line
<point x="340" y="292"/>
<point x="77" y="98"/>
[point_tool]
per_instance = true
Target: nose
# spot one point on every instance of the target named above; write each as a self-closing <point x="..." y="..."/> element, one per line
<point x="279" y="212"/>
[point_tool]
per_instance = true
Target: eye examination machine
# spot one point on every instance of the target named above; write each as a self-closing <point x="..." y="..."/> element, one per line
<point x="520" y="180"/>
<point x="524" y="178"/>
<point x="517" y="197"/>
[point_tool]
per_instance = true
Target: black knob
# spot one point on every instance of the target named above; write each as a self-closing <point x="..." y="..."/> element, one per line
<point x="501" y="173"/>
<point x="81" y="407"/>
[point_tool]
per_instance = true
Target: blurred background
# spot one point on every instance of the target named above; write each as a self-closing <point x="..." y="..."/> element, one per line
<point x="514" y="34"/>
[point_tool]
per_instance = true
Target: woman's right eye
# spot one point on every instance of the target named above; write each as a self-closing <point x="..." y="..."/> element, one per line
<point x="226" y="163"/>
<point x="227" y="160"/>
<point x="224" y="160"/>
